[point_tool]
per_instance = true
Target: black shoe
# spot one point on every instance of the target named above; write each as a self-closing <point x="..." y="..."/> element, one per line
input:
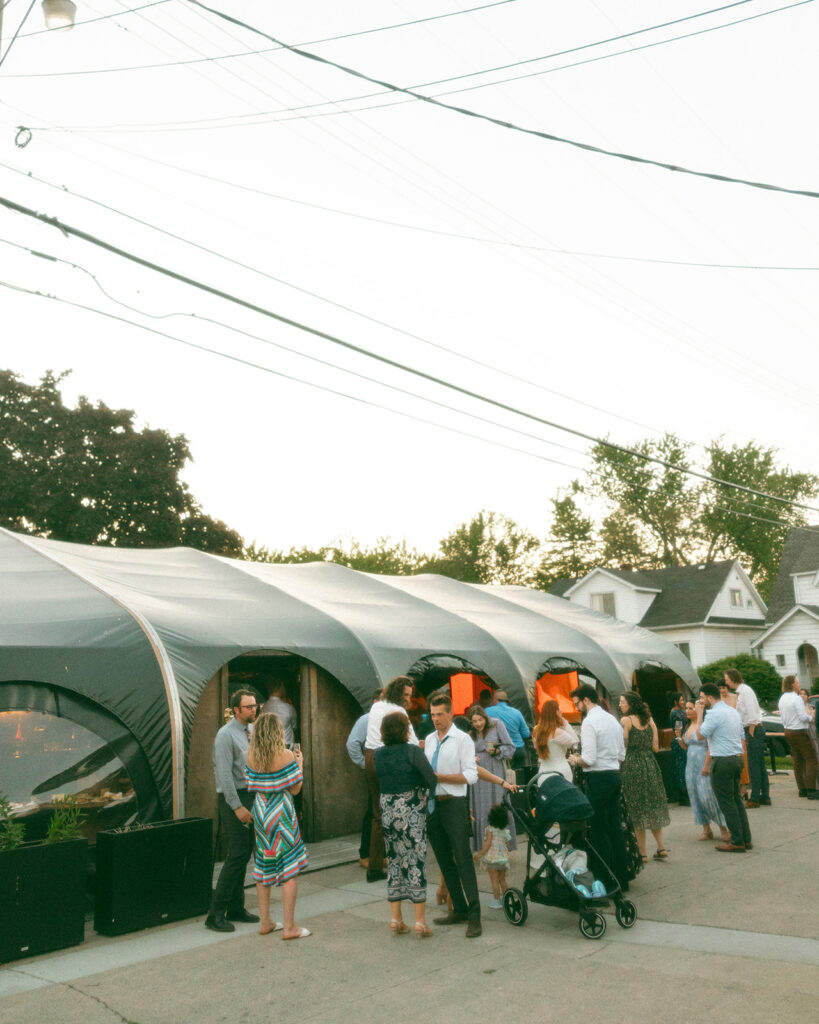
<point x="473" y="929"/>
<point x="765" y="801"/>
<point x="376" y="876"/>
<point x="813" y="794"/>
<point x="451" y="918"/>
<point x="244" y="916"/>
<point x="803" y="792"/>
<point x="218" y="923"/>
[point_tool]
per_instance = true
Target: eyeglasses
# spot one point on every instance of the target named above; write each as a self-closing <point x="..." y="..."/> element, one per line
<point x="249" y="707"/>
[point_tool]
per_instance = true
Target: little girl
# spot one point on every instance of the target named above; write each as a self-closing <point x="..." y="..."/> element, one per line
<point x="495" y="852"/>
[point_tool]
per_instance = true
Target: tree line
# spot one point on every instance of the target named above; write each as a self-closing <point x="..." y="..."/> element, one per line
<point x="87" y="474"/>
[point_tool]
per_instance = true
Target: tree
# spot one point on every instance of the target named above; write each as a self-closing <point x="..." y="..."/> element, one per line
<point x="759" y="674"/>
<point x="87" y="475"/>
<point x="572" y="548"/>
<point x="385" y="558"/>
<point x="490" y="548"/>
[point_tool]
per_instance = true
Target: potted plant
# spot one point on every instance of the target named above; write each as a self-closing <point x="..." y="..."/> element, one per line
<point x="151" y="874"/>
<point x="42" y="884"/>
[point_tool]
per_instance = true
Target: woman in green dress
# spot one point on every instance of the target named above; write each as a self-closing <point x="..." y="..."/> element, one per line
<point x="643" y="787"/>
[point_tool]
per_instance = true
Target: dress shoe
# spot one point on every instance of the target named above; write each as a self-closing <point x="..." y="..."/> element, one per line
<point x="242" y="916"/>
<point x="729" y="848"/>
<point x="218" y="923"/>
<point x="376" y="876"/>
<point x="752" y="803"/>
<point x="765" y="801"/>
<point x="473" y="929"/>
<point x="803" y="792"/>
<point x="453" y="917"/>
<point x="813" y="794"/>
<point x="749" y="846"/>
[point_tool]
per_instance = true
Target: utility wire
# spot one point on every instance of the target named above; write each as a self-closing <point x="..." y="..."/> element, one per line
<point x="293" y="351"/>
<point x="17" y="33"/>
<point x="509" y="125"/>
<point x="91" y="21"/>
<point x="279" y="373"/>
<point x="386" y="360"/>
<point x="254" y="53"/>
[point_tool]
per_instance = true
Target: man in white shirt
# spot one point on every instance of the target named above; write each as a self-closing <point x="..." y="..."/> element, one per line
<point x="602" y="751"/>
<point x="451" y="754"/>
<point x="396" y="696"/>
<point x="797" y="722"/>
<point x="285" y="712"/>
<point x="751" y="714"/>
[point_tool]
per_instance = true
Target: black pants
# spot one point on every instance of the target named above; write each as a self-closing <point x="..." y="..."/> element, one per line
<point x="756" y="763"/>
<point x="448" y="832"/>
<point x="366" y="828"/>
<point x="725" y="773"/>
<point x="603" y="793"/>
<point x="519" y="759"/>
<point x="378" y="855"/>
<point x="229" y="894"/>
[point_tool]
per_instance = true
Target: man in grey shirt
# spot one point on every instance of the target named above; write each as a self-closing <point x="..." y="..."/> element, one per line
<point x="286" y="713"/>
<point x="229" y="760"/>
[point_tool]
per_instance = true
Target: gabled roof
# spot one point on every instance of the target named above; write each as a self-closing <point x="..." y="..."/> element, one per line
<point x="809" y="609"/>
<point x="800" y="554"/>
<point x="686" y="592"/>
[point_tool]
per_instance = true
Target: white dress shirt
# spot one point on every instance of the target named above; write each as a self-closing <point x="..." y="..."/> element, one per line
<point x="795" y="717"/>
<point x="457" y="756"/>
<point x="378" y="712"/>
<point x="602" y="747"/>
<point x="748" y="706"/>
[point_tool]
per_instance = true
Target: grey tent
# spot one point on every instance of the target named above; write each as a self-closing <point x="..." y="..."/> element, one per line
<point x="140" y="633"/>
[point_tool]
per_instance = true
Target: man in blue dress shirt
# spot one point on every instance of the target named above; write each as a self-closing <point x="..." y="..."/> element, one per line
<point x="515" y="725"/>
<point x="722" y="728"/>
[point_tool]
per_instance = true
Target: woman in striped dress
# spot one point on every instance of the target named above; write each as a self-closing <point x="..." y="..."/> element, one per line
<point x="275" y="775"/>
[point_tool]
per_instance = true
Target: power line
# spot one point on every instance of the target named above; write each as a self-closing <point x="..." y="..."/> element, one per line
<point x="254" y="53"/>
<point x="281" y="374"/>
<point x="509" y="125"/>
<point x="16" y="33"/>
<point x="92" y="21"/>
<point x="386" y="360"/>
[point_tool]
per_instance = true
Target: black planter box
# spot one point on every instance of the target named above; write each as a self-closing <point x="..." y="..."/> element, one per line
<point x="153" y="875"/>
<point x="42" y="898"/>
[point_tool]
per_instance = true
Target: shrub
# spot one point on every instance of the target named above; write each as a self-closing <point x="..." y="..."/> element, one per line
<point x="65" y="821"/>
<point x="759" y="674"/>
<point x="12" y="832"/>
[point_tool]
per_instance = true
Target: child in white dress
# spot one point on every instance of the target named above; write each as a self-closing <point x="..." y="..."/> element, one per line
<point x="495" y="852"/>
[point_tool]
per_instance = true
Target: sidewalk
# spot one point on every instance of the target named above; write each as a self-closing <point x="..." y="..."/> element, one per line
<point x="731" y="936"/>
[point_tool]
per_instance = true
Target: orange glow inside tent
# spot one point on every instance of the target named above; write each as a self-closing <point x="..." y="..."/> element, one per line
<point x="465" y="689"/>
<point x="558" y="687"/>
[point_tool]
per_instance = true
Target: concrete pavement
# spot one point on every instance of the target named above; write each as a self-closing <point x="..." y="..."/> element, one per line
<point x="718" y="935"/>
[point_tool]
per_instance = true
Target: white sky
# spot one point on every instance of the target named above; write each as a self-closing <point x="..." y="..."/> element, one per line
<point x="698" y="351"/>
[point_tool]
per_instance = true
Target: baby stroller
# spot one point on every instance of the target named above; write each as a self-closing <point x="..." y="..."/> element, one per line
<point x="554" y="814"/>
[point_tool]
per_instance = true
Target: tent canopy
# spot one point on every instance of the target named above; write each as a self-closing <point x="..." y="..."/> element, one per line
<point x="141" y="631"/>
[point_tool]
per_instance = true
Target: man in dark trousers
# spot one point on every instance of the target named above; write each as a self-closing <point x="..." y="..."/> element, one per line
<point x="451" y="753"/>
<point x="750" y="714"/>
<point x="355" y="750"/>
<point x="602" y="751"/>
<point x="234" y="801"/>
<point x="722" y="728"/>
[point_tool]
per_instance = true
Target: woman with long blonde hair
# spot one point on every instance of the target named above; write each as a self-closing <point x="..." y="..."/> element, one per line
<point x="274" y="773"/>
<point x="553" y="737"/>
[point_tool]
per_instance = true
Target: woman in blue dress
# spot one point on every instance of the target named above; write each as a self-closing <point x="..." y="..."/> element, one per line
<point x="275" y="775"/>
<point x="698" y="780"/>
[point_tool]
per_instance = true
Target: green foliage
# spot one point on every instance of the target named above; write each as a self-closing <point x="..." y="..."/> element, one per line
<point x="572" y="549"/>
<point x="12" y="832"/>
<point x="759" y="674"/>
<point x="490" y="548"/>
<point x="65" y="822"/>
<point x="87" y="475"/>
<point x="385" y="557"/>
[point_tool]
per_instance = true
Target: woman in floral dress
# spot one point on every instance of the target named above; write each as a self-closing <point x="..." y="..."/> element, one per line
<point x="275" y="775"/>
<point x="642" y="780"/>
<point x="698" y="780"/>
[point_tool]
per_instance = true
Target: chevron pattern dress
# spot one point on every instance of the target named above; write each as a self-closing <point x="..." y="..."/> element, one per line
<point x="280" y="853"/>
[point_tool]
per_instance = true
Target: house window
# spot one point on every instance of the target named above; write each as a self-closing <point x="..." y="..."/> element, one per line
<point x="780" y="661"/>
<point x="736" y="598"/>
<point x="685" y="648"/>
<point x="603" y="603"/>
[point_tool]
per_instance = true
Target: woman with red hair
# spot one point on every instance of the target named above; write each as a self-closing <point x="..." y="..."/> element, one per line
<point x="553" y="737"/>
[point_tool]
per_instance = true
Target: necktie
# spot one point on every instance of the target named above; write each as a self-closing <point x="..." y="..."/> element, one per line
<point x="431" y="803"/>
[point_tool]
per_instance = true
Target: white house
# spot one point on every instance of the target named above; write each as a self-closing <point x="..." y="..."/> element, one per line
<point x="791" y="638"/>
<point x="709" y="611"/>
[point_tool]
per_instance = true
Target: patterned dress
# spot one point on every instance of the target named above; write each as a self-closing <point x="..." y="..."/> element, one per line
<point x="497" y="857"/>
<point x="700" y="792"/>
<point x="643" y="783"/>
<point x="678" y="754"/>
<point x="280" y="853"/>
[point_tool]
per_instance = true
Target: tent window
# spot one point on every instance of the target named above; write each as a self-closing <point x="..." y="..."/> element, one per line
<point x="603" y="603"/>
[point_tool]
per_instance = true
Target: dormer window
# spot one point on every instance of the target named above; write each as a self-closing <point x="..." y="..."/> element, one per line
<point x="603" y="603"/>
<point x="736" y="598"/>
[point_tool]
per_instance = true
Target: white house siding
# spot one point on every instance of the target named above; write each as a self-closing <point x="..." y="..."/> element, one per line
<point x="805" y="589"/>
<point x="710" y="643"/>
<point x="630" y="605"/>
<point x="800" y="628"/>
<point x="750" y="607"/>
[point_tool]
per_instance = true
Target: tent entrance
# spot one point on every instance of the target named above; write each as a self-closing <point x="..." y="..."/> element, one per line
<point x="653" y="682"/>
<point x="463" y="680"/>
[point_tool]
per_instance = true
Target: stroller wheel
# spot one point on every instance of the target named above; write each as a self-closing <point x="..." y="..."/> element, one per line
<point x="515" y="907"/>
<point x="593" y="926"/>
<point x="626" y="914"/>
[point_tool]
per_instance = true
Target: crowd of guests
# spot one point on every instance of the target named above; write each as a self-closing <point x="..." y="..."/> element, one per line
<point x="434" y="779"/>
